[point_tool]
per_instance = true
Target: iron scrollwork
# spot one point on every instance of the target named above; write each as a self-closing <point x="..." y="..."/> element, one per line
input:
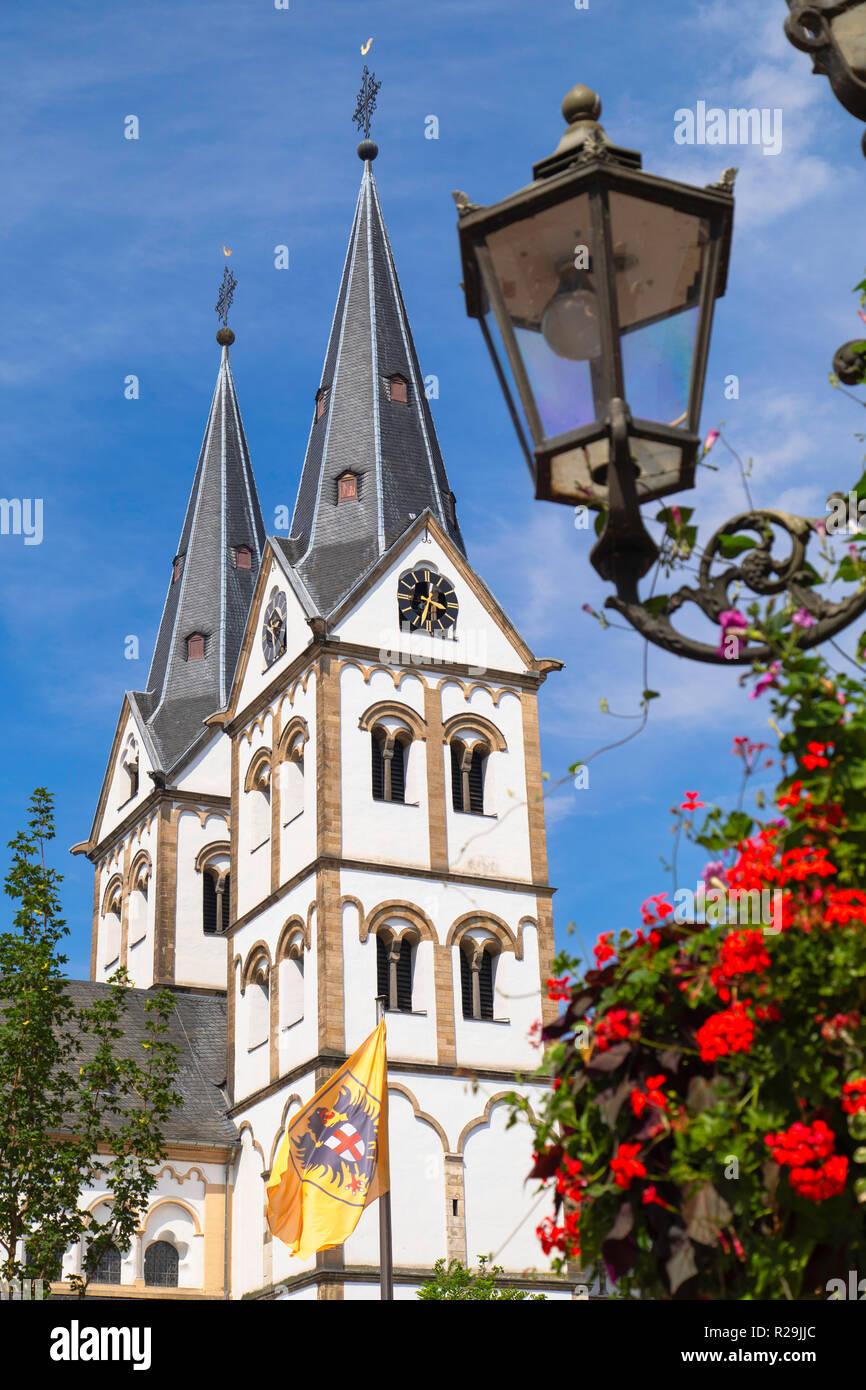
<point x="757" y="570"/>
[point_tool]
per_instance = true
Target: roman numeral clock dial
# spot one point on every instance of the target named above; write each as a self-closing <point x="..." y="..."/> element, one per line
<point x="426" y="601"/>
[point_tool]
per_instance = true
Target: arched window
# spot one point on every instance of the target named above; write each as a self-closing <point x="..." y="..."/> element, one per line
<point x="292" y="990"/>
<point x="258" y="1007"/>
<point x="160" y="1265"/>
<point x="176" y="568"/>
<point x="108" y="1268"/>
<point x="394" y="959"/>
<point x="195" y="647"/>
<point x="389" y="764"/>
<point x="258" y="788"/>
<point x="138" y="893"/>
<point x="291" y="769"/>
<point x="321" y="401"/>
<point x="111" y="916"/>
<point x="467" y="777"/>
<point x="476" y="980"/>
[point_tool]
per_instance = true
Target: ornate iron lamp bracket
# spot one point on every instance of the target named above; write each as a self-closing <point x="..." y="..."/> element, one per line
<point x="809" y="27"/>
<point x="761" y="573"/>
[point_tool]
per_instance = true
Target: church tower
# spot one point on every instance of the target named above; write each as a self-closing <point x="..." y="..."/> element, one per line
<point x="160" y="837"/>
<point x="387" y="822"/>
<point x="331" y="791"/>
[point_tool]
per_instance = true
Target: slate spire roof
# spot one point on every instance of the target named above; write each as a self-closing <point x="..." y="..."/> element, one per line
<point x="372" y="421"/>
<point x="209" y="592"/>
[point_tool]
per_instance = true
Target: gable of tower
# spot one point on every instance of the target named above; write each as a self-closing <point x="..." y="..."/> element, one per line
<point x="481" y="639"/>
<point x="278" y="588"/>
<point x="127" y="782"/>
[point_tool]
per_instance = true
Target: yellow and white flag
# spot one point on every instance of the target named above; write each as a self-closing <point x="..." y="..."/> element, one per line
<point x="333" y="1158"/>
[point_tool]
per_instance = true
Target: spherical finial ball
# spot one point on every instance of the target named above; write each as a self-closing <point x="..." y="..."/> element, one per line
<point x="225" y="337"/>
<point x="581" y="104"/>
<point x="368" y="149"/>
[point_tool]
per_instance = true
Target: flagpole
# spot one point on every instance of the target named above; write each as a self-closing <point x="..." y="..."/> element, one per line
<point x="386" y="1261"/>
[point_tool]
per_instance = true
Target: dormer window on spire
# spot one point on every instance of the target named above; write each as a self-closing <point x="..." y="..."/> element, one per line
<point x="195" y="645"/>
<point x="347" y="487"/>
<point x="176" y="568"/>
<point x="243" y="557"/>
<point x="398" y="389"/>
<point x="321" y="401"/>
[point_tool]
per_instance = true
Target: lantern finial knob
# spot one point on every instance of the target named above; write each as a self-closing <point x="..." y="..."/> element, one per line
<point x="581" y="104"/>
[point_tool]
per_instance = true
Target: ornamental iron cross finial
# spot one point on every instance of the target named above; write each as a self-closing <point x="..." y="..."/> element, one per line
<point x="226" y="295"/>
<point x="366" y="102"/>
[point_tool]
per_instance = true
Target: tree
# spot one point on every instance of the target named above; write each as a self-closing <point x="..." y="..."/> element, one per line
<point x="458" y="1282"/>
<point x="704" y="1136"/>
<point x="73" y="1113"/>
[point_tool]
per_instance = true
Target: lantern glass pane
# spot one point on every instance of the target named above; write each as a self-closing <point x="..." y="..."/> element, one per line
<point x="661" y="259"/>
<point x="546" y="272"/>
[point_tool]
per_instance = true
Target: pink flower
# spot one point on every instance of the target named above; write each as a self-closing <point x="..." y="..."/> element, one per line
<point x="677" y="516"/>
<point x="766" y="680"/>
<point x="734" y="625"/>
<point x="862" y="315"/>
<point x="710" y="440"/>
<point x="853" y="552"/>
<point x="714" y="870"/>
<point x="803" y="618"/>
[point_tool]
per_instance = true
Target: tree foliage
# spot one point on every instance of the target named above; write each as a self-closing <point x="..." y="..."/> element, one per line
<point x="457" y="1281"/>
<point x="73" y="1113"/>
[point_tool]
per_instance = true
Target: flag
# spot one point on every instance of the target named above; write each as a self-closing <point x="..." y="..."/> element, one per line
<point x="333" y="1158"/>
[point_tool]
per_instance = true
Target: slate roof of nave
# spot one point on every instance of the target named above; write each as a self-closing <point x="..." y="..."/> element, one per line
<point x="197" y="1027"/>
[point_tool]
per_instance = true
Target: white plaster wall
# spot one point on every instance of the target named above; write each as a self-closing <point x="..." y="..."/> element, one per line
<point x="254" y="857"/>
<point x="478" y="641"/>
<point x="210" y="769"/>
<point x="417" y="1194"/>
<point x="199" y="959"/>
<point x="497" y="1161"/>
<point x="497" y="843"/>
<point x="248" y="1219"/>
<point x="379" y="830"/>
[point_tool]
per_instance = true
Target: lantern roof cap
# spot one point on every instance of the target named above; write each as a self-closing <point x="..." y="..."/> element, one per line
<point x="584" y="139"/>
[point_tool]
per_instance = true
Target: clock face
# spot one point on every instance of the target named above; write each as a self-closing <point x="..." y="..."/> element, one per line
<point x="274" y="627"/>
<point x="426" y="601"/>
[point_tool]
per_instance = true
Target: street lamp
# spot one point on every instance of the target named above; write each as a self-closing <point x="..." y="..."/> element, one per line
<point x="594" y="287"/>
<point x="834" y="32"/>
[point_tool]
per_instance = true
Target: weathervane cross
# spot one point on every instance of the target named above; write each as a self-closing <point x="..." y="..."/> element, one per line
<point x="366" y="102"/>
<point x="226" y="295"/>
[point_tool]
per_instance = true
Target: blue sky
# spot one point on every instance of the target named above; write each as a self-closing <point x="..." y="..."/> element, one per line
<point x="112" y="254"/>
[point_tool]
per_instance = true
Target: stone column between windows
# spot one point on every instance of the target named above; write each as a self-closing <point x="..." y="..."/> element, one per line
<point x="274" y="1021"/>
<point x="124" y="904"/>
<point x="329" y="920"/>
<point x="455" y="1224"/>
<point x="534" y="786"/>
<point x="97" y="876"/>
<point x="443" y="973"/>
<point x="166" y="896"/>
<point x="435" y="743"/>
<point x="213" y="1223"/>
<point x="546" y="953"/>
<point x="276" y="730"/>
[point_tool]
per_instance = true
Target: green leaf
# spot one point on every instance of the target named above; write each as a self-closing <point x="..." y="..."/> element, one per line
<point x="657" y="605"/>
<point x="731" y="546"/>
